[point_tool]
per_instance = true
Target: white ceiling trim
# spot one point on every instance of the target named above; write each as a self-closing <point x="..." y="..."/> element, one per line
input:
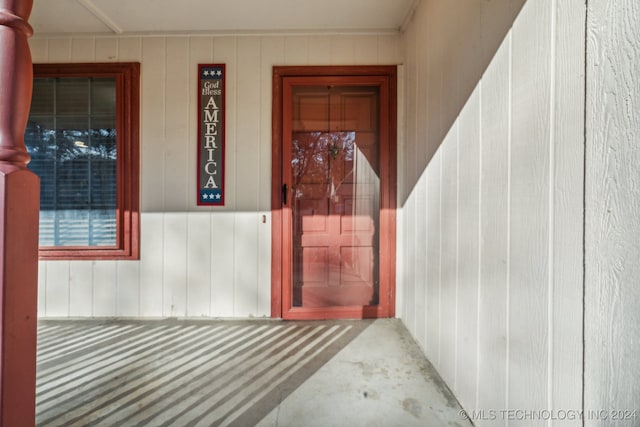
<point x="87" y="18"/>
<point x="226" y="33"/>
<point x="98" y="13"/>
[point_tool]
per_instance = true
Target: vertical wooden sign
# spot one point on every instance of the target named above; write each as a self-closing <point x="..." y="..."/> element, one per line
<point x="211" y="134"/>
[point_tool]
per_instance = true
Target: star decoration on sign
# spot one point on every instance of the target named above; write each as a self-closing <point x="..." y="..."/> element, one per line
<point x="215" y="73"/>
<point x="214" y="196"/>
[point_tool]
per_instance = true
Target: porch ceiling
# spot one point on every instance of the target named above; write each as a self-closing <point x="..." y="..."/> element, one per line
<point x="218" y="16"/>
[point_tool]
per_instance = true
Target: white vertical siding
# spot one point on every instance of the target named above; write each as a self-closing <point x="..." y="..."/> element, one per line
<point x="225" y="50"/>
<point x="179" y="153"/>
<point x="195" y="261"/>
<point x="433" y="177"/>
<point x="449" y="224"/>
<point x="58" y="280"/>
<point x="409" y="259"/>
<point x="129" y="49"/>
<point x="127" y="289"/>
<point x="198" y="290"/>
<point x="247" y="147"/>
<point x="83" y="49"/>
<point x="530" y="222"/>
<point x="80" y="295"/>
<point x="469" y="286"/>
<point x="59" y="50"/>
<point x="568" y="205"/>
<point x="152" y="124"/>
<point x="223" y="231"/>
<point x="174" y="264"/>
<point x="151" y="283"/>
<point x="612" y="286"/>
<point x="495" y="139"/>
<point x="389" y="50"/>
<point x="104" y="288"/>
<point x="420" y="264"/>
<point x="494" y="231"/>
<point x="409" y="270"/>
<point x="320" y="49"/>
<point x="106" y="49"/>
<point x="296" y="51"/>
<point x="364" y="52"/>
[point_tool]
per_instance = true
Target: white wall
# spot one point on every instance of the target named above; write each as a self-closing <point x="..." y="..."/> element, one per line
<point x="612" y="235"/>
<point x="195" y="261"/>
<point x="491" y="222"/>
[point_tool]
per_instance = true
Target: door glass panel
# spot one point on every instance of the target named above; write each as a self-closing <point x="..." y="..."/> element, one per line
<point x="336" y="196"/>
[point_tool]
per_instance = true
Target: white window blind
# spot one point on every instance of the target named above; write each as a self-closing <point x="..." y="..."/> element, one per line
<point x="71" y="138"/>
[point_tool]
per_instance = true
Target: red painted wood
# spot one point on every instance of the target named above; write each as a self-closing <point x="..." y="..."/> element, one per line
<point x="383" y="77"/>
<point x="19" y="205"/>
<point x="127" y="76"/>
<point x="276" y="196"/>
<point x="334" y="152"/>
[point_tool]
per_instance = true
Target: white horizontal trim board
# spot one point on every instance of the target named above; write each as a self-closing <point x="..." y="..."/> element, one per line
<point x="495" y="148"/>
<point x="195" y="261"/>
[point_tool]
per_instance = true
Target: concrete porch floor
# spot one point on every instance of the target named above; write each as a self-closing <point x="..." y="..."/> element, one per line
<point x="239" y="373"/>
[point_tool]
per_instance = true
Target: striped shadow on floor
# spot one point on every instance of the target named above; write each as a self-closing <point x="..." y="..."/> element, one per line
<point x="176" y="372"/>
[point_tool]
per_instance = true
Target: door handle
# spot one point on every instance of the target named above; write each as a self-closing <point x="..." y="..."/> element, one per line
<point x="284" y="194"/>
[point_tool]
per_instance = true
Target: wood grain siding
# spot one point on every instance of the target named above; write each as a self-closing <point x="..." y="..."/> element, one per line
<point x="612" y="235"/>
<point x="195" y="261"/>
<point x="499" y="149"/>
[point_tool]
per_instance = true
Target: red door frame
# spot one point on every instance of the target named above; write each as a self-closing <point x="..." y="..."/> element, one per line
<point x="386" y="76"/>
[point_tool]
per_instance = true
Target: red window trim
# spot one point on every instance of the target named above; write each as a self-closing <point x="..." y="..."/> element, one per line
<point x="127" y="76"/>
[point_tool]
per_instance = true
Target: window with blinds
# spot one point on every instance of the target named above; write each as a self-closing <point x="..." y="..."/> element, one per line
<point x="71" y="137"/>
<point x="82" y="139"/>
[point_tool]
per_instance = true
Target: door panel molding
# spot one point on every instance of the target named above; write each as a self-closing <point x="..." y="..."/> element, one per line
<point x="386" y="78"/>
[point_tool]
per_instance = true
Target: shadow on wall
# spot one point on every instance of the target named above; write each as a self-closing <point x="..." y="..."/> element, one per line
<point x="449" y="44"/>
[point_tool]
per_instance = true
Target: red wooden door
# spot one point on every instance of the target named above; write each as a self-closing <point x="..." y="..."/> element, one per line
<point x="332" y="151"/>
<point x="335" y="196"/>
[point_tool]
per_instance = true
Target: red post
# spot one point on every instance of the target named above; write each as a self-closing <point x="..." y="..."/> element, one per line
<point x="19" y="206"/>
